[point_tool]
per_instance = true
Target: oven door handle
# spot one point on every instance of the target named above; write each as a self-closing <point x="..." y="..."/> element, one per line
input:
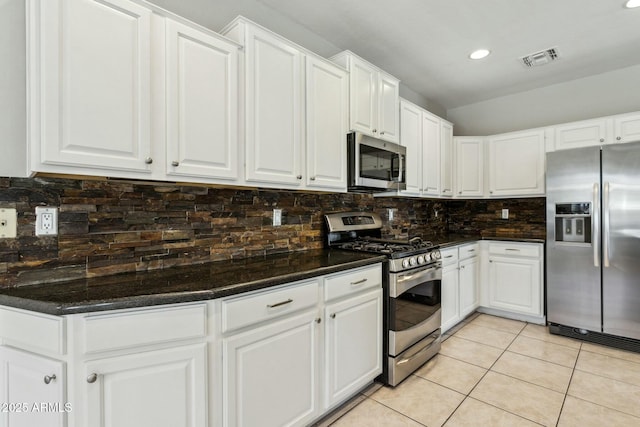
<point x="400" y="282"/>
<point x="426" y="348"/>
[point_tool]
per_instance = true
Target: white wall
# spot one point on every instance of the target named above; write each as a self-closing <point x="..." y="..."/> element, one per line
<point x="12" y="88"/>
<point x="604" y="94"/>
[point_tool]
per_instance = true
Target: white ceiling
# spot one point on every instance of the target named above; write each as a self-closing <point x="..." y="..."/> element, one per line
<point x="425" y="43"/>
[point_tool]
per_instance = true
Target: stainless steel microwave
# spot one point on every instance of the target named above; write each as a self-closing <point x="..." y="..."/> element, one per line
<point x="374" y="165"/>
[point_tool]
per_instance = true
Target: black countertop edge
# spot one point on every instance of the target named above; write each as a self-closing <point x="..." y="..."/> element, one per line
<point x="453" y="240"/>
<point x="65" y="308"/>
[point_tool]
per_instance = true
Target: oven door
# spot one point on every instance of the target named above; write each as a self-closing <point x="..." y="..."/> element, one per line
<point x="414" y="306"/>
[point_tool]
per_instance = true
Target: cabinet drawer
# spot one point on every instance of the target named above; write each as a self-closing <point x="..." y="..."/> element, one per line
<point x="468" y="251"/>
<point x="114" y="331"/>
<point x="449" y="255"/>
<point x="515" y="249"/>
<point x="353" y="281"/>
<point x="243" y="311"/>
<point x="32" y="330"/>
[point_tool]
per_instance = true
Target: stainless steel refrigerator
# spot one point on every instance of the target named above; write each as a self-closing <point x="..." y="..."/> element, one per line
<point x="593" y="244"/>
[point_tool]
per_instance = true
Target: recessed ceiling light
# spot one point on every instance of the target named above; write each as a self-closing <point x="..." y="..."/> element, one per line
<point x="633" y="3"/>
<point x="479" y="54"/>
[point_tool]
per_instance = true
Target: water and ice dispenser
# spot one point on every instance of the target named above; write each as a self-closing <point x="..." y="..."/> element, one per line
<point x="573" y="222"/>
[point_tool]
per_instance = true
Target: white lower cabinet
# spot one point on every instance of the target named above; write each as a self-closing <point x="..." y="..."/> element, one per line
<point x="515" y="278"/>
<point x="32" y="390"/>
<point x="163" y="388"/>
<point x="270" y="373"/>
<point x="460" y="295"/>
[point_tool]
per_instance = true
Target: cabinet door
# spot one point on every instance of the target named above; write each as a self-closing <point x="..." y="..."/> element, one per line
<point x="363" y="109"/>
<point x="469" y="280"/>
<point x="202" y="94"/>
<point x="34" y="387"/>
<point x="515" y="284"/>
<point x="449" y="297"/>
<point x="327" y="124"/>
<point x="586" y="133"/>
<point x="411" y="138"/>
<point x="627" y="128"/>
<point x="270" y="374"/>
<point x="273" y="109"/>
<point x="388" y="108"/>
<point x="469" y="160"/>
<point x="163" y="388"/>
<point x="446" y="158"/>
<point x="516" y="164"/>
<point x="92" y="97"/>
<point x="430" y="154"/>
<point x="353" y="351"/>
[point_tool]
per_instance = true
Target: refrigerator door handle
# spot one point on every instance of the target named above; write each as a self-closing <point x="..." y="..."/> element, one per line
<point x="595" y="227"/>
<point x="605" y="237"/>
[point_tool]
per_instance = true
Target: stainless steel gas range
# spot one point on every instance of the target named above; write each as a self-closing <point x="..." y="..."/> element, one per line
<point x="411" y="288"/>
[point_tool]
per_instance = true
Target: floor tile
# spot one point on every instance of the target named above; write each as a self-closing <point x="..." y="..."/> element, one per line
<point x="470" y="352"/>
<point x="536" y="371"/>
<point x="487" y="336"/>
<point x="499" y="323"/>
<point x="607" y="392"/>
<point x="542" y="333"/>
<point x="527" y="400"/>
<point x="613" y="352"/>
<point x="473" y="413"/>
<point x="421" y="400"/>
<point x="371" y="413"/>
<point x="451" y="373"/>
<point x="372" y="389"/>
<point x="545" y="350"/>
<point x="610" y="367"/>
<point x="341" y="411"/>
<point x="580" y="413"/>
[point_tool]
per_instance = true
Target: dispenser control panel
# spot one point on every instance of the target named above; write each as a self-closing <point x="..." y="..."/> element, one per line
<point x="573" y="222"/>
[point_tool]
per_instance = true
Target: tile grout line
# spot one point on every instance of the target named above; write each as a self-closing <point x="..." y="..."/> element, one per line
<point x="573" y="371"/>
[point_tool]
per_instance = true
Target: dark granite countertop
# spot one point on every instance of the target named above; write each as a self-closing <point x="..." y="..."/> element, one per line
<point x="181" y="284"/>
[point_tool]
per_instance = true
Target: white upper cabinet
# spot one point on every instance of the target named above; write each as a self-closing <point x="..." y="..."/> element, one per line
<point x="580" y="134"/>
<point x="273" y="108"/>
<point x="90" y="86"/>
<point x="201" y="104"/>
<point x="446" y="158"/>
<point x="516" y="164"/>
<point x="374" y="98"/>
<point x="626" y="128"/>
<point x="327" y="105"/>
<point x="469" y="162"/>
<point x="411" y="139"/>
<point x="431" y="146"/>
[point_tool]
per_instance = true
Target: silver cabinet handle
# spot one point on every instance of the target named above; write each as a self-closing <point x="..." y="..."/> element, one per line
<point x="148" y="160"/>
<point x="618" y="138"/>
<point x="358" y="282"/>
<point x="333" y="315"/>
<point x="175" y="164"/>
<point x="318" y="320"/>
<point x="471" y="250"/>
<point x="375" y="130"/>
<point x="381" y="133"/>
<point x="601" y="139"/>
<point x="512" y="250"/>
<point x="92" y="378"/>
<point x="299" y="177"/>
<point x="49" y="378"/>
<point x="313" y="178"/>
<point x="449" y="256"/>
<point x="595" y="232"/>
<point x="605" y="234"/>
<point x="278" y="304"/>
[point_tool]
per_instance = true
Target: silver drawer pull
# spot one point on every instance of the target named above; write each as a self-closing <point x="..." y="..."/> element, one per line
<point x="278" y="304"/>
<point x="49" y="378"/>
<point x="513" y="250"/>
<point x="92" y="378"/>
<point x="449" y="256"/>
<point x="471" y="250"/>
<point x="359" y="282"/>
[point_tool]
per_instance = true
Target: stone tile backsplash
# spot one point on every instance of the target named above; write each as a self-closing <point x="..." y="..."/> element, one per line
<point x="113" y="226"/>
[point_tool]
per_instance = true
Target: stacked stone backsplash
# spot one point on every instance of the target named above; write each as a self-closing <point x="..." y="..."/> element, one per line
<point x="483" y="217"/>
<point x="112" y="226"/>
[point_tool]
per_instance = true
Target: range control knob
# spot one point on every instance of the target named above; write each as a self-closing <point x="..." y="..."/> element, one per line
<point x="435" y="255"/>
<point x="405" y="263"/>
<point x="413" y="261"/>
<point x="421" y="259"/>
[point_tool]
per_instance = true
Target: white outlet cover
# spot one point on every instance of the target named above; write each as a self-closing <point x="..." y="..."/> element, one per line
<point x="8" y="223"/>
<point x="277" y="217"/>
<point x="46" y="221"/>
<point x="505" y="213"/>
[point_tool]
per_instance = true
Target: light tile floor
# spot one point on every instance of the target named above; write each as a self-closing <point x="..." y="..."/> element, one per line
<point x="499" y="372"/>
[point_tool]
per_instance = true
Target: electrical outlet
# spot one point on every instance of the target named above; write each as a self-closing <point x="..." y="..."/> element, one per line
<point x="505" y="213"/>
<point x="277" y="217"/>
<point x="46" y="221"/>
<point x="8" y="223"/>
<point x="391" y="213"/>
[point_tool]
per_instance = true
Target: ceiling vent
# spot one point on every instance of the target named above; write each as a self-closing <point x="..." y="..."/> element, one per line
<point x="540" y="58"/>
